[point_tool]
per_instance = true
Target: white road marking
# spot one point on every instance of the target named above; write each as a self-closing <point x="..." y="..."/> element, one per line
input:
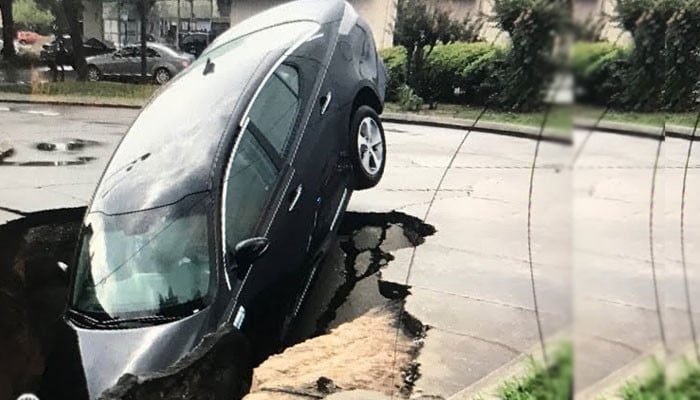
<point x="46" y="113"/>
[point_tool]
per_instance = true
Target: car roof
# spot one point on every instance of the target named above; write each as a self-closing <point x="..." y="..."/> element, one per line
<point x="318" y="11"/>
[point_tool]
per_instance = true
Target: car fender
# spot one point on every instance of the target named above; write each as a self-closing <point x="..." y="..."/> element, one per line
<point x="378" y="97"/>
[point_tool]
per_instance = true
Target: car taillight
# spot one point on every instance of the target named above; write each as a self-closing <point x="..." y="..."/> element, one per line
<point x="185" y="64"/>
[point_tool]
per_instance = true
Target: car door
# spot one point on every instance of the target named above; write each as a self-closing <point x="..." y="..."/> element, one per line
<point x="119" y="62"/>
<point x="152" y="59"/>
<point x="322" y="150"/>
<point x="273" y="283"/>
<point x="133" y="66"/>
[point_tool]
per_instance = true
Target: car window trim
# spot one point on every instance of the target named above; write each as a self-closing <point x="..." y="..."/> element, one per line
<point x="284" y="154"/>
<point x="282" y="173"/>
<point x="273" y="69"/>
<point x="268" y="148"/>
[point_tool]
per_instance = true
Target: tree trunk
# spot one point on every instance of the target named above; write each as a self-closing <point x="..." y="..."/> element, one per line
<point x="73" y="10"/>
<point x="143" y="10"/>
<point x="8" y="29"/>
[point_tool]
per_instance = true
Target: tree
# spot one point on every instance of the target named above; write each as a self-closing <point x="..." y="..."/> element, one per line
<point x="521" y="78"/>
<point x="419" y="28"/>
<point x="28" y="15"/>
<point x="73" y="9"/>
<point x="8" y="29"/>
<point x="143" y="7"/>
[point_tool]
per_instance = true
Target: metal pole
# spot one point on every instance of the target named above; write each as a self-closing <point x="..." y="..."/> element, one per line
<point x="177" y="27"/>
<point x="191" y="15"/>
<point x="211" y="21"/>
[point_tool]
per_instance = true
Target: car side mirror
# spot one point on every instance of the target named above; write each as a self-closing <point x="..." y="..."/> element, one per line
<point x="247" y="251"/>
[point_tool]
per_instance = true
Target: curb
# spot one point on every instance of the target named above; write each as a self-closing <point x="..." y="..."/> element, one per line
<point x="55" y="102"/>
<point x="682" y="132"/>
<point x="620" y="128"/>
<point x="637" y="370"/>
<point x="637" y="130"/>
<point x="487" y="388"/>
<point x="499" y="128"/>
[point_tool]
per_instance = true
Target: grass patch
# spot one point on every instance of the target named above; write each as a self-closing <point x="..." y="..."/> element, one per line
<point x="554" y="382"/>
<point x="688" y="387"/>
<point x="654" y="387"/>
<point x="647" y="118"/>
<point x="559" y="117"/>
<point x="657" y="385"/>
<point x="112" y="90"/>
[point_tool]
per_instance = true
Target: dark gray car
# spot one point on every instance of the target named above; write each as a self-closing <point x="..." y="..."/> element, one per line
<point x="219" y="203"/>
<point x="162" y="63"/>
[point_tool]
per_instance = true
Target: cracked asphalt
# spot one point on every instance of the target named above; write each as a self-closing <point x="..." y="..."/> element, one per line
<point x="470" y="282"/>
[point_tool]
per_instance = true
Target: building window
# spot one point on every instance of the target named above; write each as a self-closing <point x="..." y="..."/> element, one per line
<point x="111" y="30"/>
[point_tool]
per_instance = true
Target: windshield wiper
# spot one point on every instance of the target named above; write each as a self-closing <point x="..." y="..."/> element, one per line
<point x="145" y="319"/>
<point x="84" y="318"/>
<point x="111" y="321"/>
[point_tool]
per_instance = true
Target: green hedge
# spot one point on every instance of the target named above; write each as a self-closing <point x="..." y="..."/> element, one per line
<point x="460" y="67"/>
<point x="598" y="69"/>
<point x="395" y="62"/>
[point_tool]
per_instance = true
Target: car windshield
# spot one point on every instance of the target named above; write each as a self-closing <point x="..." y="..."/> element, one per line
<point x="148" y="263"/>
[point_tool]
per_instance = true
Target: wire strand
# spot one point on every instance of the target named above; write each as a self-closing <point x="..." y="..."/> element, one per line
<point x="684" y="264"/>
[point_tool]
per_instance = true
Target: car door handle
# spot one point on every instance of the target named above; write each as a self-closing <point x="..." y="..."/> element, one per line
<point x="294" y="197"/>
<point x="325" y="102"/>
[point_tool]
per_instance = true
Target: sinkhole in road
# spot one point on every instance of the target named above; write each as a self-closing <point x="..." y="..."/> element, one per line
<point x="346" y="290"/>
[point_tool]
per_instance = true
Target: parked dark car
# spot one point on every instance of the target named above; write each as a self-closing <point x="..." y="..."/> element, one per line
<point x="60" y="50"/>
<point x="162" y="63"/>
<point x="194" y="42"/>
<point x="221" y="198"/>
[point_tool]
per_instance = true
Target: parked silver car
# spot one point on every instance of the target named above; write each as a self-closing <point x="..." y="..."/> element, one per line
<point x="162" y="63"/>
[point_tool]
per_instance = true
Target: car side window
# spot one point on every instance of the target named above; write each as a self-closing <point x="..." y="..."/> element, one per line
<point x="250" y="182"/>
<point x="274" y="112"/>
<point x="151" y="53"/>
<point x="127" y="52"/>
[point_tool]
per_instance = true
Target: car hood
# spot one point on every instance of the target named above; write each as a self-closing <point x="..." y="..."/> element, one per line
<point x="86" y="362"/>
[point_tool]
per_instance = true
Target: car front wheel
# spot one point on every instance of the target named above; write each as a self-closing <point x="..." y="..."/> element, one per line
<point x="162" y="76"/>
<point x="367" y="147"/>
<point x="93" y="73"/>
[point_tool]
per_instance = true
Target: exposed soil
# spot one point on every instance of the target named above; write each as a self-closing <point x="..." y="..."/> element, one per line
<point x="356" y="355"/>
<point x="32" y="293"/>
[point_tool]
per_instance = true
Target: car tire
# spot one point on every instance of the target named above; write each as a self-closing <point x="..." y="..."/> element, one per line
<point x="93" y="73"/>
<point x="367" y="147"/>
<point x="162" y="76"/>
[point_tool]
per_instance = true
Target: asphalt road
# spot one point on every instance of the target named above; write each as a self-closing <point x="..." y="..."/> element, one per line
<point x="33" y="179"/>
<point x="630" y="291"/>
<point x="500" y="224"/>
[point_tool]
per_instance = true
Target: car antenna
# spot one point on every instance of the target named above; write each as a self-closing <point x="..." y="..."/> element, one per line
<point x="209" y="67"/>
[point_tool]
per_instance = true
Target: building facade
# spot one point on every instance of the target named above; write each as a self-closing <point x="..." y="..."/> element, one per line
<point x="379" y="14"/>
<point x="118" y="22"/>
